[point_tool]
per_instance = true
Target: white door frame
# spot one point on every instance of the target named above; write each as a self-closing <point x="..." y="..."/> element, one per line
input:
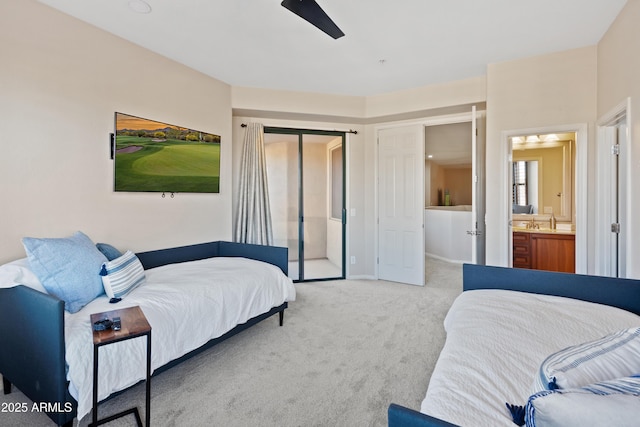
<point x="580" y="189"/>
<point x="427" y="121"/>
<point x="478" y="193"/>
<point x="603" y="186"/>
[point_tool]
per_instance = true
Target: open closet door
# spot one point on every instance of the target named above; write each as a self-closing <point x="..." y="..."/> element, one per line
<point x="401" y="204"/>
<point x="477" y="230"/>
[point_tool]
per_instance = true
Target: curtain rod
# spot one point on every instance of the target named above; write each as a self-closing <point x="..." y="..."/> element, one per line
<point x="355" y="132"/>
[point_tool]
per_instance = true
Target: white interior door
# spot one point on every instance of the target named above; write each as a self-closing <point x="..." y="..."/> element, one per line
<point x="401" y="204"/>
<point x="617" y="203"/>
<point x="612" y="205"/>
<point x="477" y="225"/>
<point x="612" y="209"/>
<point x="623" y="182"/>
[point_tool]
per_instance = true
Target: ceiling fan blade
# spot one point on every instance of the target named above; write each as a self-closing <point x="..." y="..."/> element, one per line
<point x="310" y="11"/>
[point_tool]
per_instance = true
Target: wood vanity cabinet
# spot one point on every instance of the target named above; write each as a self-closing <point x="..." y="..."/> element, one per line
<point x="521" y="250"/>
<point x="544" y="251"/>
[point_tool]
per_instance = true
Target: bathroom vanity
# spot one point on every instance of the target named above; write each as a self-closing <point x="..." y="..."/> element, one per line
<point x="544" y="249"/>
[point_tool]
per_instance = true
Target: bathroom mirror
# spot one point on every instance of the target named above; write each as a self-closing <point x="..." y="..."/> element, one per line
<point x="542" y="176"/>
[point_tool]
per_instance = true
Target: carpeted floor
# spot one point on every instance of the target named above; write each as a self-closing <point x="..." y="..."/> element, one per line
<point x="347" y="350"/>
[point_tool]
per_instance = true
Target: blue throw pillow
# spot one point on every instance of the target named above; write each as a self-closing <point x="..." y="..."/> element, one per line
<point x="109" y="251"/>
<point x="68" y="268"/>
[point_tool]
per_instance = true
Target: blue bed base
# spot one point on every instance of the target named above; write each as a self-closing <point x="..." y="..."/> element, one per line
<point x="621" y="293"/>
<point x="32" y="355"/>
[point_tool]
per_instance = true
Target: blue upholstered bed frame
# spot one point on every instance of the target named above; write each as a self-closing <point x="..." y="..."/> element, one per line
<point x="621" y="293"/>
<point x="32" y="326"/>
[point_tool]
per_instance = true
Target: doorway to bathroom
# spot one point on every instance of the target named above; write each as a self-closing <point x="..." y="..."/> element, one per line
<point x="305" y="174"/>
<point x="545" y="198"/>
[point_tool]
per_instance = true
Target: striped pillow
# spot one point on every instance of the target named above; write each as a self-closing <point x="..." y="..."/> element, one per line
<point x="607" y="403"/>
<point x="122" y="275"/>
<point x="613" y="356"/>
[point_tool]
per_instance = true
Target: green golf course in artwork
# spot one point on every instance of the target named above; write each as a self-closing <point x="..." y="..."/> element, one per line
<point x="154" y="156"/>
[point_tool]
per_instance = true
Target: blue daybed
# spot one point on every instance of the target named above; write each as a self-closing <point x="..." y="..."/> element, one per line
<point x="32" y="324"/>
<point x="502" y="330"/>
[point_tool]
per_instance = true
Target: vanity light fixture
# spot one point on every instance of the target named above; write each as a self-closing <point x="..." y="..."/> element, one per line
<point x="532" y="138"/>
<point x="430" y="156"/>
<point x="139" y="6"/>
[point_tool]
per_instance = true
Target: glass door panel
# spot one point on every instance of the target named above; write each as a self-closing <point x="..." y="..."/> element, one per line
<point x="305" y="173"/>
<point x="321" y="189"/>
<point x="283" y="166"/>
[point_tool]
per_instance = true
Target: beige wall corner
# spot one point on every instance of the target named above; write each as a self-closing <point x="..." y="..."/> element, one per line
<point x="543" y="91"/>
<point x="62" y="82"/>
<point x="437" y="96"/>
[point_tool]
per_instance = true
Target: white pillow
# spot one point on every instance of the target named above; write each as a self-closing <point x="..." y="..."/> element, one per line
<point x="608" y="403"/>
<point x="18" y="272"/>
<point x="613" y="356"/>
<point x="122" y="275"/>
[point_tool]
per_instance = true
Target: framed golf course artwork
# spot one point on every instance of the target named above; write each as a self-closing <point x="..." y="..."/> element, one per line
<point x="152" y="156"/>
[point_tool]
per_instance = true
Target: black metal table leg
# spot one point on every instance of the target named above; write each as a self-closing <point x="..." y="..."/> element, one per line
<point x="148" y="391"/>
<point x="95" y="386"/>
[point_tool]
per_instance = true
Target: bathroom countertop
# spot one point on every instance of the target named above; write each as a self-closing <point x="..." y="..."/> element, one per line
<point x="542" y="230"/>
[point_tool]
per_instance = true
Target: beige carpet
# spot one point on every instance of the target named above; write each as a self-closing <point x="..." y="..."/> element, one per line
<point x="347" y="350"/>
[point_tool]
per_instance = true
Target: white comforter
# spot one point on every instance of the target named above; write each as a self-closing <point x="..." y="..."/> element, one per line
<point x="186" y="305"/>
<point x="496" y="340"/>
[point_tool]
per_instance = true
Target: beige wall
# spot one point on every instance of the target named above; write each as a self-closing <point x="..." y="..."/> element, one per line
<point x="460" y="92"/>
<point x="458" y="181"/>
<point x="455" y="179"/>
<point x="544" y="91"/>
<point x="295" y="105"/>
<point x="619" y="78"/>
<point x="435" y="181"/>
<point x="62" y="80"/>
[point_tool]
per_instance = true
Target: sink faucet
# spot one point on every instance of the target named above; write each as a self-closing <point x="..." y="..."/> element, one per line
<point x="532" y="224"/>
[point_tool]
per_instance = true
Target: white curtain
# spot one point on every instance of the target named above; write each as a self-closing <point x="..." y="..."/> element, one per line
<point x="253" y="223"/>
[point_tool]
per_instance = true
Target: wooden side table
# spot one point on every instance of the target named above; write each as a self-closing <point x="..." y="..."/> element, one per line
<point x="134" y="324"/>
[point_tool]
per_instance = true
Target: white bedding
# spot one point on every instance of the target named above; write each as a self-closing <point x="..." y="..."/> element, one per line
<point x="496" y="340"/>
<point x="186" y="304"/>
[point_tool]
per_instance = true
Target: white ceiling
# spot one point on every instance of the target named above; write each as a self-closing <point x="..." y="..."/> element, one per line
<point x="258" y="43"/>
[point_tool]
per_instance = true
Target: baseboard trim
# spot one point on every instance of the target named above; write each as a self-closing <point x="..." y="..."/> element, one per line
<point x="454" y="261"/>
<point x="361" y="277"/>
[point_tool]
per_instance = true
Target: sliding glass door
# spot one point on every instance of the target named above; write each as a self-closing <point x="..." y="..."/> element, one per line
<point x="305" y="172"/>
